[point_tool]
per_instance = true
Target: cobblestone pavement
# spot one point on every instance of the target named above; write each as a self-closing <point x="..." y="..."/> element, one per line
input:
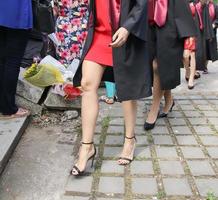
<point x="175" y="161"/>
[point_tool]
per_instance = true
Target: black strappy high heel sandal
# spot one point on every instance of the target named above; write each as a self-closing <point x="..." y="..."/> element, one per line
<point x="129" y="160"/>
<point x="75" y="168"/>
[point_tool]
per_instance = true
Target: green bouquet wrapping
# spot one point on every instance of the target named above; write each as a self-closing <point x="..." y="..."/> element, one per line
<point x="43" y="75"/>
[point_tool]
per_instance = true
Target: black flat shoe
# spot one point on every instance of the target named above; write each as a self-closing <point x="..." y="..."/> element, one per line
<point x="149" y="126"/>
<point x="191" y="87"/>
<point x="76" y="169"/>
<point x="163" y="114"/>
<point x="197" y="76"/>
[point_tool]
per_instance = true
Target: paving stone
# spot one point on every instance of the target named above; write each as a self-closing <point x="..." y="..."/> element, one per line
<point x="142" y="167"/>
<point x="112" y="151"/>
<point x="111" y="185"/>
<point x="207" y="185"/>
<point x="115" y="129"/>
<point x="34" y="108"/>
<point x="107" y="199"/>
<point x="203" y="130"/>
<point x="139" y="130"/>
<point x="199" y="168"/>
<point x="171" y="167"/>
<point x="54" y="101"/>
<point x="187" y="107"/>
<point x="200" y="102"/>
<point x="166" y="152"/>
<point x="210" y="113"/>
<point x="213" y="151"/>
<point x="81" y="184"/>
<point x="209" y="140"/>
<point x="184" y="102"/>
<point x="160" y="122"/>
<point x="142" y="152"/>
<point x="141" y="140"/>
<point x="98" y="129"/>
<point x="198" y="121"/>
<point x="109" y="166"/>
<point x="213" y="121"/>
<point x="192" y="152"/>
<point x="215" y="102"/>
<point x="183" y="130"/>
<point x="186" y="140"/>
<point x="97" y="139"/>
<point x="74" y="198"/>
<point x="160" y="130"/>
<point x="175" y="114"/>
<point x="174" y="186"/>
<point x="27" y="90"/>
<point x="10" y="134"/>
<point x="146" y="186"/>
<point x="114" y="140"/>
<point x="192" y="114"/>
<point x="162" y="140"/>
<point x="177" y="122"/>
<point x="120" y="121"/>
<point x="205" y="107"/>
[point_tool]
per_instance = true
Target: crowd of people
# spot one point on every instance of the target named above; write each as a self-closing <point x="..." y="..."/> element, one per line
<point x="132" y="45"/>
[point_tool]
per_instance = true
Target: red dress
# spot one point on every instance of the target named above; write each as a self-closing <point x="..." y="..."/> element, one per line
<point x="100" y="51"/>
<point x="190" y="43"/>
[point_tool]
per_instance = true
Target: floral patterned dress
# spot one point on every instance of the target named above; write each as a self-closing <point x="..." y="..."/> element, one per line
<point x="71" y="29"/>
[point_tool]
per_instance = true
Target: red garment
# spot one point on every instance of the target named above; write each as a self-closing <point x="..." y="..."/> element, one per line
<point x="190" y="43"/>
<point x="157" y="12"/>
<point x="100" y="51"/>
<point x="212" y="11"/>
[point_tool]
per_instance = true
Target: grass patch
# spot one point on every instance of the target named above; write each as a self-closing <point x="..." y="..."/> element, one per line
<point x="211" y="196"/>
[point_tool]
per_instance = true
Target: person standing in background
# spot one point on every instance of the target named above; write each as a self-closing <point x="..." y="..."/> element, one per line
<point x="71" y="29"/>
<point x="15" y="22"/>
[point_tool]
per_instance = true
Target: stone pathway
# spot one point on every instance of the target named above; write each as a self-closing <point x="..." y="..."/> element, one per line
<point x="177" y="160"/>
<point x="10" y="133"/>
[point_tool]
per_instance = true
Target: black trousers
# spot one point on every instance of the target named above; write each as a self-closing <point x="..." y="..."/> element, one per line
<point x="12" y="46"/>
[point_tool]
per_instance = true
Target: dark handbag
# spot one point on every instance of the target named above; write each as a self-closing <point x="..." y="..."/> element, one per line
<point x="43" y="17"/>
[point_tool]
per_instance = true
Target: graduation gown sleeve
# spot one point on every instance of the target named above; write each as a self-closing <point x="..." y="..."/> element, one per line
<point x="136" y="20"/>
<point x="184" y="21"/>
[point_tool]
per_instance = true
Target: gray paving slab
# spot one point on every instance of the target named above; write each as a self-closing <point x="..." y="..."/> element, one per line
<point x="203" y="130"/>
<point x="192" y="152"/>
<point x="207" y="185"/>
<point x="162" y="140"/>
<point x="142" y="167"/>
<point x="74" y="198"/>
<point x="186" y="140"/>
<point x="181" y="130"/>
<point x="177" y="122"/>
<point x="10" y="133"/>
<point x="166" y="152"/>
<point x="80" y="184"/>
<point x="109" y="166"/>
<point x="146" y="186"/>
<point x="171" y="167"/>
<point x="111" y="185"/>
<point x="160" y="130"/>
<point x="213" y="152"/>
<point x="142" y="152"/>
<point x="199" y="168"/>
<point x="209" y="140"/>
<point x="175" y="186"/>
<point x="198" y="121"/>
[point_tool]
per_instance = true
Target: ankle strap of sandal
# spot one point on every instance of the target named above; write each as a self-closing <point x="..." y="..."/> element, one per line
<point x="87" y="143"/>
<point x="130" y="138"/>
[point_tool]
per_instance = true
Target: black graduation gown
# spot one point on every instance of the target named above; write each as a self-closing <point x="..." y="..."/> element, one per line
<point x="210" y="34"/>
<point x="131" y="70"/>
<point x="169" y="42"/>
<point x="200" y="53"/>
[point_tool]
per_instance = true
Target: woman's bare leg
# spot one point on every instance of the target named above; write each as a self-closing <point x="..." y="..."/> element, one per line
<point x="192" y="69"/>
<point x="168" y="101"/>
<point x="157" y="95"/>
<point x="186" y="63"/>
<point x="130" y="112"/>
<point x="92" y="75"/>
